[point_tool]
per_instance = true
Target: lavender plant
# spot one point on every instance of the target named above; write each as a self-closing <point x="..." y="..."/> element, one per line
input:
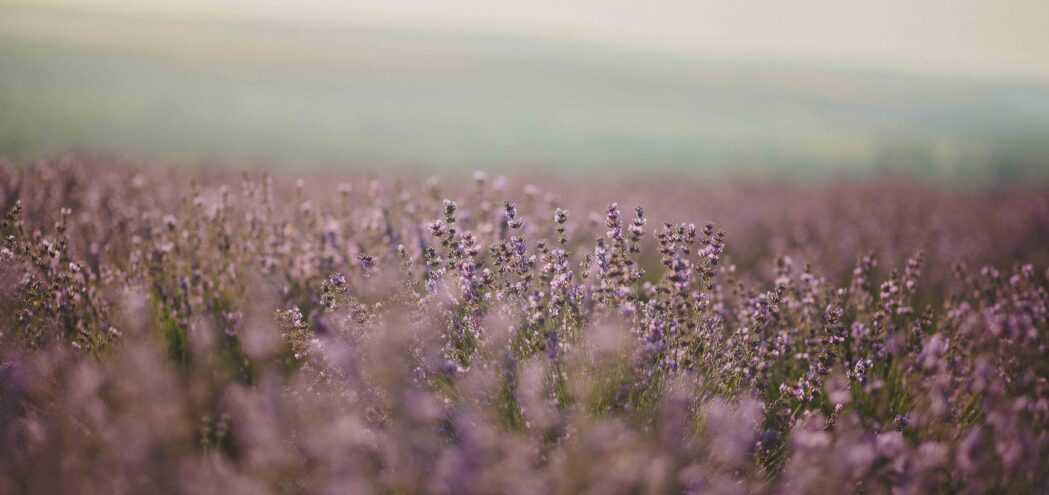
<point x="174" y="331"/>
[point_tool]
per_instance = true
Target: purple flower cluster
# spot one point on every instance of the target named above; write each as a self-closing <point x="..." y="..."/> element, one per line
<point x="169" y="331"/>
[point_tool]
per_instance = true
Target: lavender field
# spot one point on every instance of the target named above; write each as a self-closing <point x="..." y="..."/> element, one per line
<point x="167" y="330"/>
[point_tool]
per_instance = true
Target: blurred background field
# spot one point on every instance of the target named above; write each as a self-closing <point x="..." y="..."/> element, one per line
<point x="187" y="85"/>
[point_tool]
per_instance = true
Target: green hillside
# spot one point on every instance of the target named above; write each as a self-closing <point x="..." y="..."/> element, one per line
<point x="185" y="90"/>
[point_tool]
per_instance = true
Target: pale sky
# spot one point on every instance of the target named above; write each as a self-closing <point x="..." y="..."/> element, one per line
<point x="982" y="38"/>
